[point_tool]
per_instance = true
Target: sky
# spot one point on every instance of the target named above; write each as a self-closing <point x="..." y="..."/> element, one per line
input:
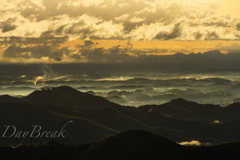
<point x="119" y="31"/>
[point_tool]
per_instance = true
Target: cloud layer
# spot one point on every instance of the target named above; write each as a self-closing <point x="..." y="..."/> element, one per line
<point x="91" y="52"/>
<point x="37" y="31"/>
<point x="122" y="19"/>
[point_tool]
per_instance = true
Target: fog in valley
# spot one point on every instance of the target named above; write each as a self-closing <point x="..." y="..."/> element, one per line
<point x="128" y="88"/>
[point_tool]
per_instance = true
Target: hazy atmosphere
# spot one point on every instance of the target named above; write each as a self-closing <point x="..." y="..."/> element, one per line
<point x="126" y="84"/>
<point x="131" y="52"/>
<point x="120" y="79"/>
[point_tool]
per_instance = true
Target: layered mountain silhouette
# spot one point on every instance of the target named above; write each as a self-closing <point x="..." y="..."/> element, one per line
<point x="127" y="145"/>
<point x="95" y="118"/>
<point x="65" y="95"/>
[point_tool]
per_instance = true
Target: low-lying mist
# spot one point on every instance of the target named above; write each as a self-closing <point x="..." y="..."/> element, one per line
<point x="133" y="88"/>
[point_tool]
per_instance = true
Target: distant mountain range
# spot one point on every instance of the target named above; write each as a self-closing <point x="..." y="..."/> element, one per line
<point x="95" y="118"/>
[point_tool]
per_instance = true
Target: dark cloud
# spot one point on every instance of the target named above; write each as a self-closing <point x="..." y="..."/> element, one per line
<point x="238" y="26"/>
<point x="119" y="54"/>
<point x="176" y="32"/>
<point x="45" y="38"/>
<point x="217" y="24"/>
<point x="129" y="26"/>
<point x="212" y="36"/>
<point x="79" y="28"/>
<point x="59" y="30"/>
<point x="8" y="25"/>
<point x="48" y="33"/>
<point x="39" y="51"/>
<point x="101" y="55"/>
<point x="95" y="37"/>
<point x="14" y="51"/>
<point x="76" y="28"/>
<point x="88" y="43"/>
<point x="57" y="58"/>
<point x="198" y="35"/>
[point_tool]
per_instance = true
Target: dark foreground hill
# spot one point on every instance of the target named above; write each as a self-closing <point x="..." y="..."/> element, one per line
<point x="127" y="145"/>
<point x="95" y="118"/>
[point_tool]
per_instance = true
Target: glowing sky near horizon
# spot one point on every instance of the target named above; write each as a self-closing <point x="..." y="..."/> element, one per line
<point x="43" y="31"/>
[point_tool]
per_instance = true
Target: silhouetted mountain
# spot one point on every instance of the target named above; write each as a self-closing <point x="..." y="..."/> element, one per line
<point x="202" y="131"/>
<point x="89" y="125"/>
<point x="95" y="117"/>
<point x="9" y="99"/>
<point x="180" y="108"/>
<point x="128" y="145"/>
<point x="118" y="119"/>
<point x="24" y="115"/>
<point x="230" y="113"/>
<point x="144" y="145"/>
<point x="133" y="144"/>
<point x="65" y="95"/>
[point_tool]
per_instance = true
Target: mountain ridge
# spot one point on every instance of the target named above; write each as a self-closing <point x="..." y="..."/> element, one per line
<point x="178" y="120"/>
<point x="127" y="145"/>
